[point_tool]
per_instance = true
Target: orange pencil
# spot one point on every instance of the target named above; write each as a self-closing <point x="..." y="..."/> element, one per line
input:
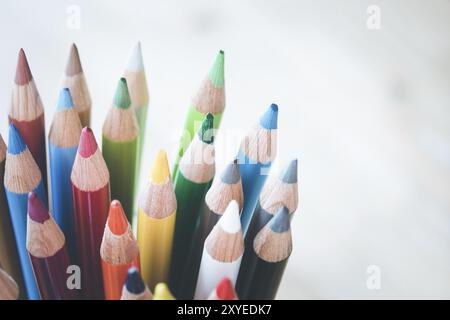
<point x="119" y="251"/>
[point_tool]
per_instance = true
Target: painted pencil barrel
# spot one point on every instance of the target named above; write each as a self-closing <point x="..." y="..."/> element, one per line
<point x="189" y="198"/>
<point x="91" y="211"/>
<point x="9" y="258"/>
<point x="51" y="276"/>
<point x="33" y="134"/>
<point x="155" y="238"/>
<point x="114" y="277"/>
<point x="211" y="272"/>
<point x="266" y="278"/>
<point x="141" y="116"/>
<point x="18" y="208"/>
<point x="121" y="159"/>
<point x="253" y="177"/>
<point x="61" y="163"/>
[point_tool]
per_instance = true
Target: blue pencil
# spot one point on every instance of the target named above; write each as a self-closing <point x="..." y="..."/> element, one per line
<point x="22" y="175"/>
<point x="256" y="154"/>
<point x="63" y="140"/>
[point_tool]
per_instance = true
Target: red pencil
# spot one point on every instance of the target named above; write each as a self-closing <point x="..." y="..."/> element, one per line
<point x="46" y="246"/>
<point x="224" y="291"/>
<point x="27" y="113"/>
<point x="119" y="251"/>
<point x="91" y="198"/>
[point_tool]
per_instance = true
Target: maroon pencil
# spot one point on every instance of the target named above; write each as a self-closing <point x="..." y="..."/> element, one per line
<point x="27" y="113"/>
<point x="91" y="199"/>
<point x="46" y="246"/>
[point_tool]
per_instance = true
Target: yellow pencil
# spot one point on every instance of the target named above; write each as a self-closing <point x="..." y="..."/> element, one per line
<point x="162" y="292"/>
<point x="156" y="222"/>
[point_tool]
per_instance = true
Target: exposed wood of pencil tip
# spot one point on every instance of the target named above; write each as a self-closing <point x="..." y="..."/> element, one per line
<point x="9" y="290"/>
<point x="158" y="198"/>
<point x="2" y="149"/>
<point x="198" y="162"/>
<point x="118" y="244"/>
<point x="89" y="172"/>
<point x="26" y="104"/>
<point x="121" y="123"/>
<point x="274" y="242"/>
<point x="21" y="172"/>
<point x="73" y="66"/>
<point x="281" y="190"/>
<point x="210" y="97"/>
<point x="44" y="239"/>
<point x="65" y="129"/>
<point x="135" y="75"/>
<point x="226" y="187"/>
<point x="134" y="287"/>
<point x="225" y="242"/>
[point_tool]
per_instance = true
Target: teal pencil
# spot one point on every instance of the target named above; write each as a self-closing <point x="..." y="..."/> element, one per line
<point x="63" y="141"/>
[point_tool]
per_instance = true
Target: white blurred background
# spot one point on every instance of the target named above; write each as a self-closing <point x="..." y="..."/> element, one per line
<point x="365" y="110"/>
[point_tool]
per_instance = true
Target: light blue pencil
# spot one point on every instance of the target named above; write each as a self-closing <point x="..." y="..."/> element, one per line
<point x="63" y="141"/>
<point x="22" y="175"/>
<point x="256" y="154"/>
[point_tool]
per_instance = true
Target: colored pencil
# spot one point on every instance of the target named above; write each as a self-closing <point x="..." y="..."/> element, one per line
<point x="137" y="86"/>
<point x="162" y="292"/>
<point x="27" y="113"/>
<point x="222" y="252"/>
<point x="49" y="257"/>
<point x="210" y="98"/>
<point x="134" y="287"/>
<point x="271" y="249"/>
<point x="258" y="150"/>
<point x="63" y="142"/>
<point x="75" y="80"/>
<point x="9" y="290"/>
<point x="91" y="199"/>
<point x="225" y="187"/>
<point x="120" y="147"/>
<point x="9" y="257"/>
<point x="223" y="291"/>
<point x="119" y="251"/>
<point x="279" y="191"/>
<point x="156" y="222"/>
<point x="193" y="179"/>
<point x="22" y="176"/>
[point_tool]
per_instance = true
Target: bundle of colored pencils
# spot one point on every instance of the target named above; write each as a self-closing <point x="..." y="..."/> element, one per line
<point x="199" y="234"/>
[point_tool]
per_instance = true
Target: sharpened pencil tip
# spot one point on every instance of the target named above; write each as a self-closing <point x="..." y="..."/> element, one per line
<point x="65" y="99"/>
<point x="270" y="118"/>
<point x="88" y="145"/>
<point x="23" y="72"/>
<point x="160" y="171"/>
<point x="280" y="221"/>
<point x="117" y="220"/>
<point x="206" y="132"/>
<point x="135" y="61"/>
<point x="225" y="290"/>
<point x="36" y="208"/>
<point x="16" y="144"/>
<point x="134" y="282"/>
<point x="230" y="220"/>
<point x="231" y="174"/>
<point x="216" y="73"/>
<point x="122" y="96"/>
<point x="289" y="174"/>
<point x="162" y="292"/>
<point x="73" y="66"/>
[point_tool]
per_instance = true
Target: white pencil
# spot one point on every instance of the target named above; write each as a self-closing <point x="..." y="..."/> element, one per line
<point x="222" y="253"/>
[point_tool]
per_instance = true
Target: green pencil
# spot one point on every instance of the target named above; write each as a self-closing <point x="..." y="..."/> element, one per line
<point x="193" y="180"/>
<point x="210" y="98"/>
<point x="120" y="147"/>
